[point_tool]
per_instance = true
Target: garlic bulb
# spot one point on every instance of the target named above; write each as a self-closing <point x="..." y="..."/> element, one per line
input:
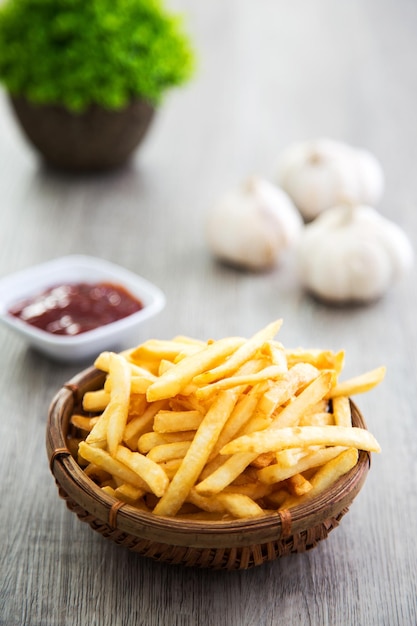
<point x="252" y="226"/>
<point x="320" y="174"/>
<point x="352" y="254"/>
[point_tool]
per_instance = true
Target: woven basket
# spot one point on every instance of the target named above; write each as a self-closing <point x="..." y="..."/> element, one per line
<point x="226" y="545"/>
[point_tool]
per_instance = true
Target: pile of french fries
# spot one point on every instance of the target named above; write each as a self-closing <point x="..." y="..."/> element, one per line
<point x="224" y="429"/>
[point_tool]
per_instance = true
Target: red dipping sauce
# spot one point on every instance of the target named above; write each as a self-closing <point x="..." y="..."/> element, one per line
<point x="72" y="309"/>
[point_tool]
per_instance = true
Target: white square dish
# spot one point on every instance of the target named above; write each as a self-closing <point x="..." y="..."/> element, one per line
<point x="120" y="334"/>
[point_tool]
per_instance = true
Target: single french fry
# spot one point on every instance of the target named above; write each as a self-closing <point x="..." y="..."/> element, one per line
<point x="341" y="411"/>
<point x="97" y="437"/>
<point x="255" y="490"/>
<point x="171" y="467"/>
<point x="150" y="440"/>
<point x="263" y="460"/>
<point x="118" y="407"/>
<point x="298" y="485"/>
<point x="140" y="384"/>
<point x="240" y="505"/>
<point x="96" y="473"/>
<point x="163" y="350"/>
<point x="128" y="493"/>
<point x="145" y="468"/>
<point x="168" y="451"/>
<point x="96" y="401"/>
<point x="110" y="491"/>
<point x="83" y="423"/>
<point x="322" y="418"/>
<point x="176" y="378"/>
<point x="359" y="384"/>
<point x="174" y="421"/>
<point x="277" y="472"/>
<point x="225" y="474"/>
<point x="243" y="353"/>
<point x="295" y="437"/>
<point x="289" y="457"/>
<point x="208" y="505"/>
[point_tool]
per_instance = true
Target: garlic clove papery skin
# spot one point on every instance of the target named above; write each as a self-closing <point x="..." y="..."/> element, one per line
<point x="253" y="225"/>
<point x="352" y="254"/>
<point x="320" y="174"/>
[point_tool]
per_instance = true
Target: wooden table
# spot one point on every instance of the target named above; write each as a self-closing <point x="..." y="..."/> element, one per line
<point x="270" y="73"/>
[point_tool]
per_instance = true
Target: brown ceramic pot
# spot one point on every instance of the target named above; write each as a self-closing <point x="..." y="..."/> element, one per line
<point x="97" y="139"/>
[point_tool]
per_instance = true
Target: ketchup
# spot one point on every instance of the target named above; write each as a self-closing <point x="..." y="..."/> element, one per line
<point x="72" y="309"/>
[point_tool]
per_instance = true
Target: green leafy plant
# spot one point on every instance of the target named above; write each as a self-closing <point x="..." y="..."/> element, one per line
<point x="82" y="52"/>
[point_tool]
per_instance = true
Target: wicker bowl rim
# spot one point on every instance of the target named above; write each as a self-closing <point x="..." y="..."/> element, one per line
<point x="103" y="511"/>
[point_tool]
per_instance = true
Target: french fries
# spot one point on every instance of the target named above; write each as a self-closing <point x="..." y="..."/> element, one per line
<point x="224" y="429"/>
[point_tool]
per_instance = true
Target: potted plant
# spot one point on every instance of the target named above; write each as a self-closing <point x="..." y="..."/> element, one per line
<point x="86" y="76"/>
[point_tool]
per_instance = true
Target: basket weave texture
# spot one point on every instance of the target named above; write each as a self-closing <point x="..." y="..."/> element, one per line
<point x="229" y="545"/>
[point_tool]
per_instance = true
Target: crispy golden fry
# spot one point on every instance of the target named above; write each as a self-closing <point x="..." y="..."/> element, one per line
<point x="171" y="467"/>
<point x="277" y="472"/>
<point x="322" y="418"/>
<point x="244" y="353"/>
<point x="140" y="384"/>
<point x="240" y="505"/>
<point x="128" y="493"/>
<point x="295" y="437"/>
<point x="96" y="401"/>
<point x="83" y="423"/>
<point x="209" y="505"/>
<point x="174" y="421"/>
<point x="225" y="474"/>
<point x="118" y="407"/>
<point x="145" y="468"/>
<point x="164" y="350"/>
<point x="110" y="491"/>
<point x="290" y="456"/>
<point x="341" y="411"/>
<point x="298" y="485"/>
<point x="359" y="384"/>
<point x="97" y="437"/>
<point x="96" y="473"/>
<point x="150" y="440"/>
<point x="168" y="451"/>
<point x="175" y="379"/>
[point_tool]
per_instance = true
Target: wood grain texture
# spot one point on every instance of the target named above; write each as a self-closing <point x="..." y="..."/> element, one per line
<point x="270" y="72"/>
